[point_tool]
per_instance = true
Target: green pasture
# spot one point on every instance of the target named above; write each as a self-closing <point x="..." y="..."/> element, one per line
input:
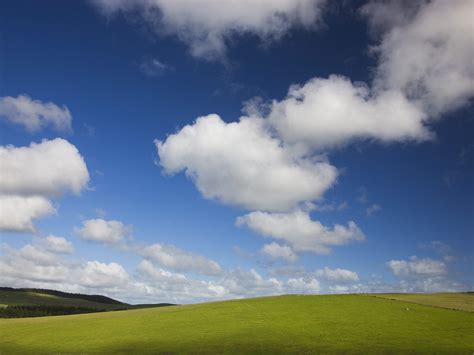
<point x="459" y="301"/>
<point x="284" y="324"/>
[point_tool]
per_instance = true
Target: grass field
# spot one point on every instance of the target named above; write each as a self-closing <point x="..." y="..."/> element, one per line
<point x="459" y="301"/>
<point x="285" y="324"/>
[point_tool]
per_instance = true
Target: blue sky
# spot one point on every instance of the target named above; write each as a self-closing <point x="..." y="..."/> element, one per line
<point x="359" y="180"/>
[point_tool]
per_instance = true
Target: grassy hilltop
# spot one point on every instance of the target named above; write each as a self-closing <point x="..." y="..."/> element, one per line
<point x="284" y="324"/>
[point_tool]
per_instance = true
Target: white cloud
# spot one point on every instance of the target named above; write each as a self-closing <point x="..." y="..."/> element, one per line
<point x="236" y="283"/>
<point x="337" y="275"/>
<point x="431" y="284"/>
<point x="254" y="163"/>
<point x="44" y="251"/>
<point x="426" y="51"/>
<point x="42" y="265"/>
<point x="34" y="266"/>
<point x="38" y="255"/>
<point x="33" y="263"/>
<point x="18" y="272"/>
<point x="374" y="208"/>
<point x="239" y="163"/>
<point x="323" y="280"/>
<point x="241" y="283"/>
<point x="178" y="287"/>
<point x="168" y="256"/>
<point x="153" y="67"/>
<point x="30" y="176"/>
<point x="440" y="247"/>
<point x="346" y="281"/>
<point x="385" y="15"/>
<point x="146" y="268"/>
<point x="277" y="142"/>
<point x="289" y="270"/>
<point x="175" y="287"/>
<point x="96" y="274"/>
<point x="303" y="285"/>
<point x="374" y="285"/>
<point x="58" y="245"/>
<point x="300" y="232"/>
<point x="17" y="213"/>
<point x="35" y="115"/>
<point x="330" y="207"/>
<point x="174" y="258"/>
<point x="325" y="113"/>
<point x="100" y="230"/>
<point x="276" y="250"/>
<point x="47" y="169"/>
<point x="416" y="267"/>
<point x="425" y="69"/>
<point x="413" y="275"/>
<point x="38" y="265"/>
<point x="423" y="275"/>
<point x="266" y="161"/>
<point x="207" y="26"/>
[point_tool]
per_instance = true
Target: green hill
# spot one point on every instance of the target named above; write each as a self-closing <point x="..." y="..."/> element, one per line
<point x="29" y="302"/>
<point x="285" y="324"/>
<point x="459" y="301"/>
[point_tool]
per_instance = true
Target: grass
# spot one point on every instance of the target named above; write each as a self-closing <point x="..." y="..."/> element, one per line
<point x="42" y="295"/>
<point x="459" y="301"/>
<point x="284" y="324"/>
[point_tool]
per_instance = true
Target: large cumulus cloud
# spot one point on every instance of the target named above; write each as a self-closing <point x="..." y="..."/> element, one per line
<point x="32" y="175"/>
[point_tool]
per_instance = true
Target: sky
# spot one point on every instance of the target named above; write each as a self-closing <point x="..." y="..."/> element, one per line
<point x="188" y="151"/>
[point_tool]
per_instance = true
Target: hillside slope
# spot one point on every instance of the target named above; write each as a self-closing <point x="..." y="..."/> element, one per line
<point x="29" y="296"/>
<point x="24" y="302"/>
<point x="285" y="324"/>
<point x="461" y="301"/>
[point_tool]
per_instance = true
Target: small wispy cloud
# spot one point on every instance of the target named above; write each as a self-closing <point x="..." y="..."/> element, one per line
<point x="330" y="207"/>
<point x="440" y="248"/>
<point x="372" y="209"/>
<point x="153" y="67"/>
<point x="363" y="199"/>
<point x="362" y="195"/>
<point x="89" y="131"/>
<point x="35" y="115"/>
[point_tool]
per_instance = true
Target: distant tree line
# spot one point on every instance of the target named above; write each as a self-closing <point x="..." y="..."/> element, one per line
<point x="93" y="298"/>
<point x="20" y="311"/>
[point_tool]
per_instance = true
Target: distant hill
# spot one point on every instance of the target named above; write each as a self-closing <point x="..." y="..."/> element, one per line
<point x="32" y="302"/>
<point x="92" y="298"/>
